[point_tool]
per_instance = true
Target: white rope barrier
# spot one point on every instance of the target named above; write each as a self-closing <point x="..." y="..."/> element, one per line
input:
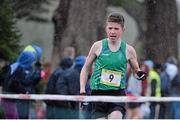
<point x="89" y="98"/>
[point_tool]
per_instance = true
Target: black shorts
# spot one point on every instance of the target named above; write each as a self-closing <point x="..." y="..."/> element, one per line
<point x="133" y="105"/>
<point x="102" y="109"/>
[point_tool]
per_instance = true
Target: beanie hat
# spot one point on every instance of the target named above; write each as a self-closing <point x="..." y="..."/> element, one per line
<point x="35" y="49"/>
<point x="38" y="51"/>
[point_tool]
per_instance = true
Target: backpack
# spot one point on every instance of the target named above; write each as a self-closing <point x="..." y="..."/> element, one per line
<point x="12" y="82"/>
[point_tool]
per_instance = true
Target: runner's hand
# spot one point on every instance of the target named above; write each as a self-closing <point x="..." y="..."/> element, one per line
<point x="141" y="75"/>
<point x="83" y="104"/>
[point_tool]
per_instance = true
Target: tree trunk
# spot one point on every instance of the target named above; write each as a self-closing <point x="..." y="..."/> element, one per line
<point x="136" y="10"/>
<point x="60" y="20"/>
<point x="161" y="35"/>
<point x="78" y="23"/>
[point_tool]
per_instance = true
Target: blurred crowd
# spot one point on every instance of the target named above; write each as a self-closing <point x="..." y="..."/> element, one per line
<point x="29" y="75"/>
<point x="163" y="81"/>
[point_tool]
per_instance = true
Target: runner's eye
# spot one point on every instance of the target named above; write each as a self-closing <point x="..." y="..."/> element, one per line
<point x="116" y="28"/>
<point x="110" y="28"/>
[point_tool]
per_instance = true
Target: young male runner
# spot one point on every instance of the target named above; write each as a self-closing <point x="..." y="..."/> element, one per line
<point x="109" y="74"/>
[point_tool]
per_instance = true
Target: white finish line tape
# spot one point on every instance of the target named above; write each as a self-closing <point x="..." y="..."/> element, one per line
<point x="89" y="98"/>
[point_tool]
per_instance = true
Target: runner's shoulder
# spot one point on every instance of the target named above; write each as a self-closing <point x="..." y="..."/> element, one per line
<point x="97" y="44"/>
<point x="129" y="48"/>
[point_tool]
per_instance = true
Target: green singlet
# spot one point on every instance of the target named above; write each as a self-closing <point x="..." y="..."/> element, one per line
<point x="110" y="68"/>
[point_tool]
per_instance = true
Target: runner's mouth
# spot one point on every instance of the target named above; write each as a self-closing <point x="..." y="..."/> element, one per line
<point x="112" y="36"/>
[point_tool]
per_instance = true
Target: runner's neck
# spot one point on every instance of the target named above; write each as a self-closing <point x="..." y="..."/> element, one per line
<point x="114" y="45"/>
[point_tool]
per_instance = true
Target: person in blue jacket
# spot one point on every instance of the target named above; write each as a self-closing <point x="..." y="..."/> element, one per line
<point x="18" y="80"/>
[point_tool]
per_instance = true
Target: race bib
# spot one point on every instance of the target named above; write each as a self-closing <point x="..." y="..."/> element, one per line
<point x="110" y="78"/>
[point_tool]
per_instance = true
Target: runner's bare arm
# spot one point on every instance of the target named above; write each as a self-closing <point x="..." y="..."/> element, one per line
<point x="132" y="58"/>
<point x="88" y="64"/>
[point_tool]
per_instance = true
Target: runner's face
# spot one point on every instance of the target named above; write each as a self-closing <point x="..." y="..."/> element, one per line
<point x="114" y="31"/>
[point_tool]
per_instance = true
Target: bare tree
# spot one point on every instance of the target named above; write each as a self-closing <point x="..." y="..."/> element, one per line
<point x="161" y="34"/>
<point x="31" y="9"/>
<point x="78" y="23"/>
